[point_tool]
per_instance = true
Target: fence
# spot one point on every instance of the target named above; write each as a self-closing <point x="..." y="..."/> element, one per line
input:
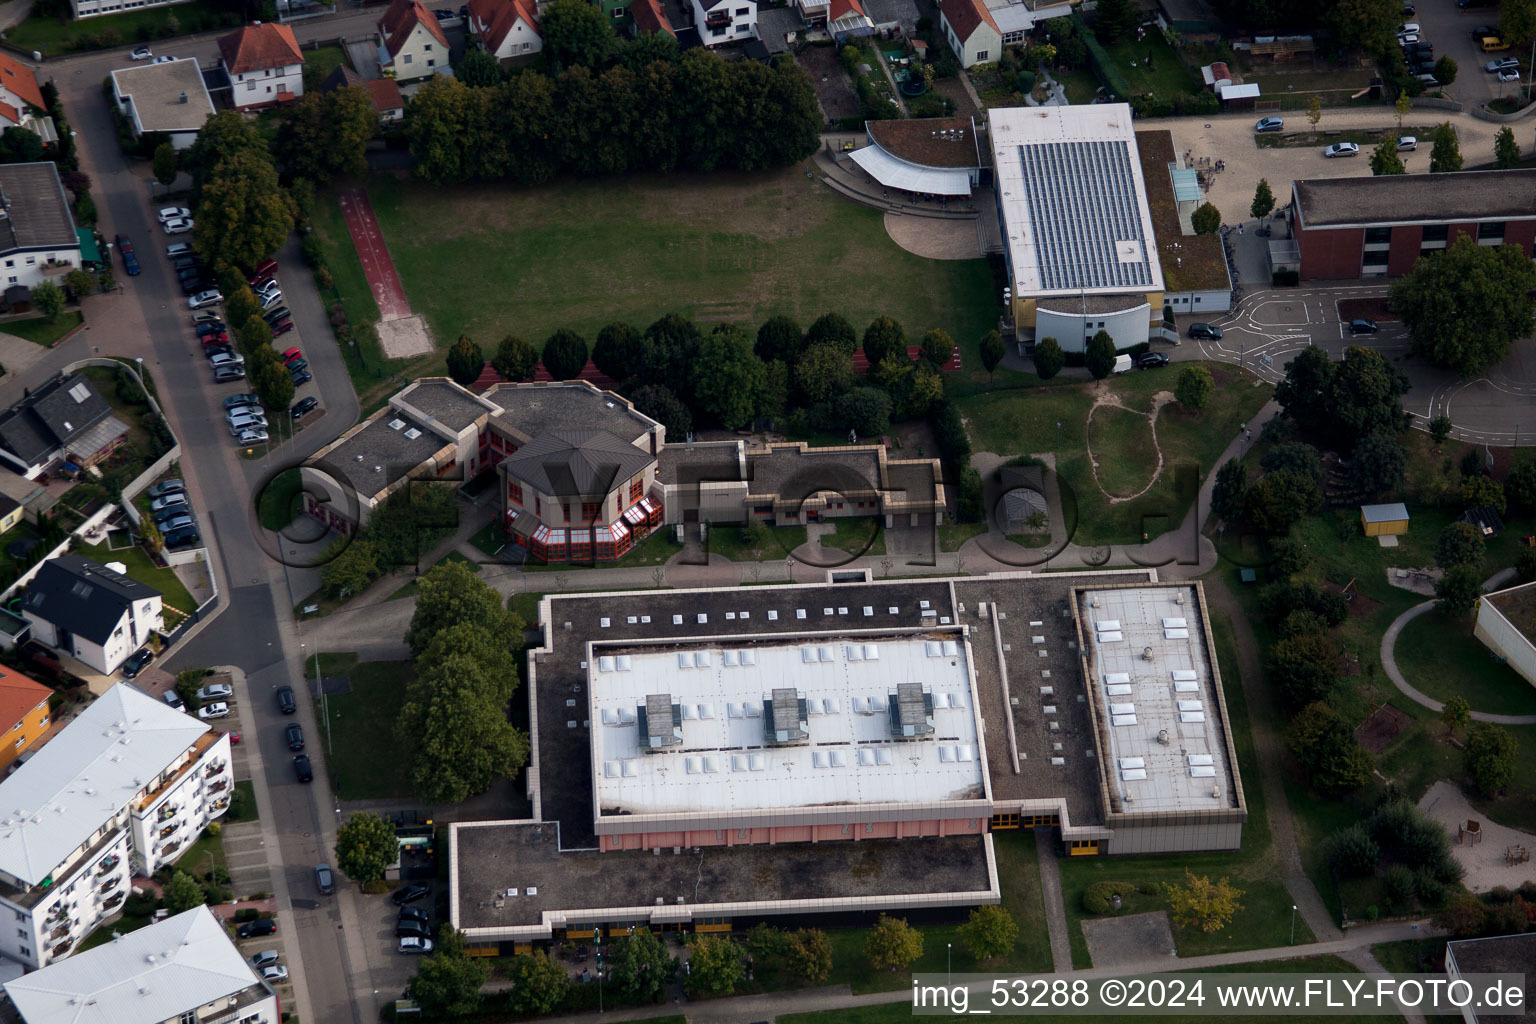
<point x="1484" y="114"/>
<point x="137" y="485"/>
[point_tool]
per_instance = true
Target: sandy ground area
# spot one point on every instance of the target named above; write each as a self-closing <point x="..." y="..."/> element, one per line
<point x="933" y="238"/>
<point x="1486" y="862"/>
<point x="404" y="337"/>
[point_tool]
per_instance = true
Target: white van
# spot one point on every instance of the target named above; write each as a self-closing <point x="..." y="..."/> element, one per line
<point x="1122" y="364"/>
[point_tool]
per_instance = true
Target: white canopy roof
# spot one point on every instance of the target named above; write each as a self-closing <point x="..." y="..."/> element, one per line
<point x="894" y="173"/>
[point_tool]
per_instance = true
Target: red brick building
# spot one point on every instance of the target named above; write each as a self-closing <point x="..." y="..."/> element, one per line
<point x="1348" y="228"/>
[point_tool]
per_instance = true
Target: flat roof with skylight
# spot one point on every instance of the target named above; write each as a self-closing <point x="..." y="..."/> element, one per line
<point x="1157" y="703"/>
<point x="1073" y="202"/>
<point x="825" y="722"/>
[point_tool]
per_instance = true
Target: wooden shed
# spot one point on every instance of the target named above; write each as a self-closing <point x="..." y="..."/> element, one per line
<point x="1384" y="520"/>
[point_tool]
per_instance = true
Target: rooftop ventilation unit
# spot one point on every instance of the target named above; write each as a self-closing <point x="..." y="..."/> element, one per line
<point x="660" y="721"/>
<point x="785" y="715"/>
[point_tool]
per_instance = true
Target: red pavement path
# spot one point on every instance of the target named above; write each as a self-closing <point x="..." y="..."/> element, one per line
<point x="374" y="254"/>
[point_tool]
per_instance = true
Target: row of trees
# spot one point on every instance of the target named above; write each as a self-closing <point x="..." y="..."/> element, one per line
<point x="1465" y="307"/>
<point x="696" y="112"/>
<point x="243" y="212"/>
<point x="409" y="522"/>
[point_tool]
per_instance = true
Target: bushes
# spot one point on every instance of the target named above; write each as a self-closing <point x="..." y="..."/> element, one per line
<point x="1096" y="898"/>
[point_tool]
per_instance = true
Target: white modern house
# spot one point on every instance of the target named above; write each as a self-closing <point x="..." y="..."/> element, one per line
<point x="725" y="21"/>
<point x="37" y="230"/>
<point x="412" y="45"/>
<point x="971" y="31"/>
<point x="1506" y="621"/>
<point x="171" y="99"/>
<point x="184" y="968"/>
<point x="91" y="612"/>
<point x="120" y="791"/>
<point x="264" y="64"/>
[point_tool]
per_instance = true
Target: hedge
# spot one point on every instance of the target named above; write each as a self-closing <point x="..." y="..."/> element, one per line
<point x="1100" y="61"/>
<point x="1096" y="896"/>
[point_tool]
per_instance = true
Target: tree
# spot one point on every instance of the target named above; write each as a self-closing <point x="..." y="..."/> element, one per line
<point x="1458" y="590"/>
<point x="448" y="982"/>
<point x="808" y="955"/>
<point x="884" y="338"/>
<point x="1049" y="358"/>
<point x="1229" y="494"/>
<point x="618" y="350"/>
<point x="223" y="136"/>
<point x="515" y="359"/>
<point x="1385" y="159"/>
<point x="1378" y="463"/>
<point x="865" y="411"/>
<point x="1279" y="499"/>
<point x="823" y="372"/>
<point x="149" y="536"/>
<point x="1294" y="455"/>
<point x="1323" y="744"/>
<point x="540" y="985"/>
<point x="449" y="594"/>
<point x="441" y="112"/>
<point x="937" y="348"/>
<point x="565" y="354"/>
<point x="892" y="944"/>
<point x="1194" y="388"/>
<point x="575" y="34"/>
<point x="992" y="351"/>
<point x="1440" y="429"/>
<point x="1201" y="903"/>
<point x="164" y="164"/>
<point x="1206" y="219"/>
<point x="1115" y="20"/>
<point x="21" y="146"/>
<point x="715" y="965"/>
<point x="779" y="338"/>
<point x="49" y="300"/>
<point x="1351" y="852"/>
<point x="1446" y="155"/>
<point x="365" y="846"/>
<point x="1315" y="110"/>
<point x="81" y="283"/>
<point x="1525" y="566"/>
<point x="478" y="69"/>
<point x="1464" y="916"/>
<point x="324" y="135"/>
<point x="639" y="967"/>
<point x="1100" y="356"/>
<point x="244" y="215"/>
<point x="989" y="932"/>
<point x="1520" y="484"/>
<point x="183" y="892"/>
<point x="659" y="403"/>
<point x="728" y="377"/>
<point x="454" y="724"/>
<point x="1364" y="25"/>
<point x="1465" y="306"/>
<point x="1459" y="544"/>
<point x="1490" y="757"/>
<point x="833" y="329"/>
<point x="350" y="569"/>
<point x="270" y="380"/>
<point x="1480" y="491"/>
<point x="1456" y="713"/>
<point x="1506" y="151"/>
<point x="465" y="361"/>
<point x="1445" y="70"/>
<point x="1302" y="668"/>
<point x="1400" y="108"/>
<point x="1263" y="200"/>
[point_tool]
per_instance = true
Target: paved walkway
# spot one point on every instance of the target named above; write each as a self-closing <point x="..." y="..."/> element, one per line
<point x="1389" y="660"/>
<point x="1055" y="905"/>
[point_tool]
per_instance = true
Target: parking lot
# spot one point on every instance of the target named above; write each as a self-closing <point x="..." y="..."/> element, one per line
<point x="1449" y="28"/>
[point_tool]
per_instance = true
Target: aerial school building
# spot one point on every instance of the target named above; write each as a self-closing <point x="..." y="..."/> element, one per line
<point x="707" y="759"/>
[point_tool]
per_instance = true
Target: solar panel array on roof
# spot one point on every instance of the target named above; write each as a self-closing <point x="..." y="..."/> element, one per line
<point x="1085" y="216"/>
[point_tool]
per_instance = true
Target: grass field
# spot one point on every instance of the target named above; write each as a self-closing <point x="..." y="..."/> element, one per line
<point x="363" y="756"/>
<point x="139" y="566"/>
<point x="858" y="535"/>
<point x="1024" y="421"/>
<point x="492" y="260"/>
<point x="281" y="500"/>
<point x="54" y="36"/>
<point x="1151" y="65"/>
<point x="1439" y="656"/>
<point x="42" y="331"/>
<point x="1126" y="449"/>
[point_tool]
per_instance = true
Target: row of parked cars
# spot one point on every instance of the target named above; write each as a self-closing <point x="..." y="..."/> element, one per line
<point x="171" y="509"/>
<point x="1418" y="53"/>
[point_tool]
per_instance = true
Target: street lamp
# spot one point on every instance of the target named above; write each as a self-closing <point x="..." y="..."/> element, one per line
<point x="1058" y="434"/>
<point x="1293" y="924"/>
<point x="949" y="953"/>
<point x="597" y="944"/>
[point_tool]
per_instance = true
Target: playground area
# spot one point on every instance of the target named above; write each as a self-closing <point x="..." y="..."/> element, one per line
<point x="1493" y="854"/>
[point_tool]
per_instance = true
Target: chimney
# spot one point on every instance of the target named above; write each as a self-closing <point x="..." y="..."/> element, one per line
<point x="181" y="98"/>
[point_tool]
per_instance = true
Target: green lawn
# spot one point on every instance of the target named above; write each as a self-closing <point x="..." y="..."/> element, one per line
<point x="244" y="798"/>
<point x="1023" y="421"/>
<point x="364" y="756"/>
<point x="42" y="331"/>
<point x="194" y="861"/>
<point x="145" y="571"/>
<point x="857" y="535"/>
<point x="1123" y="443"/>
<point x="103" y="934"/>
<point x="1438" y="655"/>
<point x="1157" y="68"/>
<point x="1411" y="956"/>
<point x="489" y="539"/>
<point x="1081" y="86"/>
<point x="409" y="589"/>
<point x="329" y="664"/>
<point x="282" y="500"/>
<point x="54" y="36"/>
<point x="953" y="535"/>
<point x="491" y="260"/>
<point x="321" y="61"/>
<point x="725" y="540"/>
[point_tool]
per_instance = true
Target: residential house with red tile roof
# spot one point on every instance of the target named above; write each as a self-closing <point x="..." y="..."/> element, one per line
<point x="971" y="31"/>
<point x="23" y="714"/>
<point x="264" y="63"/>
<point x="650" y="17"/>
<point x="412" y="45"/>
<point x="841" y="18"/>
<point x="20" y="96"/>
<point x="505" y="28"/>
<point x="384" y="93"/>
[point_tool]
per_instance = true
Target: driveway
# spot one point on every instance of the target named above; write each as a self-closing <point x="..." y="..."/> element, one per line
<point x="1449" y="29"/>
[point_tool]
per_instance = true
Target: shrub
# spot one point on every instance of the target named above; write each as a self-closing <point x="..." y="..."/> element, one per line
<point x="1096" y="898"/>
<point x="1398" y="886"/>
<point x="1351" y="852"/>
<point x="1430" y="890"/>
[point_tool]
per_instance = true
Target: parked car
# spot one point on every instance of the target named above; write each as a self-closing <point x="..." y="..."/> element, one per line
<point x="324" y="880"/>
<point x="276" y="313"/>
<point x="189" y="538"/>
<point x="292" y="353"/>
<point x="218" y="709"/>
<point x="142" y="53"/>
<point x="303" y="407"/>
<point x="294" y="734"/>
<point x="260" y="926"/>
<point x="130" y="259"/>
<point x="162" y="60"/>
<point x="409" y="893"/>
<point x="1363" y="326"/>
<point x="302" y="377"/>
<point x="1407" y="143"/>
<point x="297" y="366"/>
<point x="227" y="359"/>
<point x="406" y="926"/>
<point x="214" y="347"/>
<point x="137" y="661"/>
<point x="1420" y="51"/>
<point x="1147" y="360"/>
<point x="215" y="691"/>
<point x="173" y="699"/>
<point x="1411" y="28"/>
<point x="254" y="435"/>
<point x="233" y="734"/>
<point x="207" y="327"/>
<point x="1270" y="124"/>
<point x="274" y="975"/>
<point x="211" y="340"/>
<point x="170" y="501"/>
<point x="208" y="316"/>
<point x="1484" y="30"/>
<point x="165" y="487"/>
<point x="1509" y="75"/>
<point x="192" y="285"/>
<point x="1493" y="44"/>
<point x="281" y="328"/>
<point x="176" y="249"/>
<point x="266" y="958"/>
<point x="183" y="262"/>
<point x="413" y="945"/>
<point x="301" y="767"/>
<point x="1204" y="331"/>
<point x="179" y="226"/>
<point x="1342" y="149"/>
<point x="271" y="300"/>
<point x="174" y="523"/>
<point x="207" y="298"/>
<point x="246" y="415"/>
<point x="228" y="374"/>
<point x="1412" y="37"/>
<point x="415" y="914"/>
<point x="285" y="700"/>
<point x="1427" y="79"/>
<point x="236" y="401"/>
<point x="268" y="287"/>
<point x="264" y="270"/>
<point x="170" y="213"/>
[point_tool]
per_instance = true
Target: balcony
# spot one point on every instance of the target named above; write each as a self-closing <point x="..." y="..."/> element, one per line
<point x="218" y="787"/>
<point x="167" y="811"/>
<point x="172" y="827"/>
<point x="214" y="769"/>
<point x="218" y="806"/>
<point x="170" y="847"/>
<point x="58" y="913"/>
<point x="111" y="883"/>
<point x="717" y="19"/>
<point x="61" y="948"/>
<point x="58" y="933"/>
<point x="107" y="864"/>
<point x="111" y="902"/>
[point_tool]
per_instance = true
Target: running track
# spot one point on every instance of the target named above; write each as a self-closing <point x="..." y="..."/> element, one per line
<point x="377" y="265"/>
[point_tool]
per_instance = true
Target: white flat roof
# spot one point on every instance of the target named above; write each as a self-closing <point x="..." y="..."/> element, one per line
<point x="893" y="172"/>
<point x="157" y="91"/>
<point x="723" y="762"/>
<point x="1142" y="697"/>
<point x="146" y="976"/>
<point x="1016" y="16"/>
<point x="1075" y="215"/>
<point x="85" y="775"/>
